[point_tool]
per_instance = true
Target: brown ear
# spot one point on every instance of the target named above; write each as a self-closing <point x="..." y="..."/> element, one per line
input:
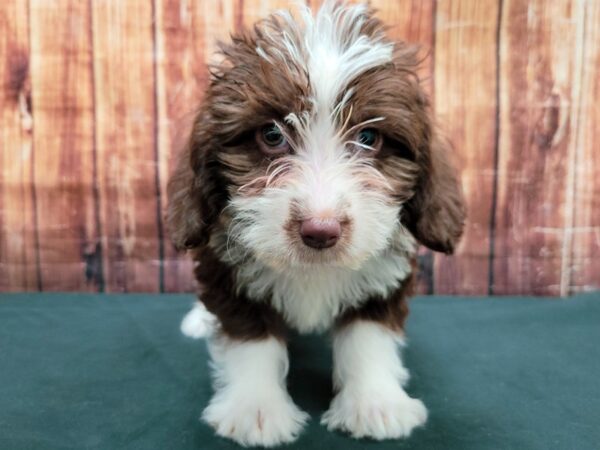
<point x="194" y="197"/>
<point x="435" y="215"/>
<point x="184" y="218"/>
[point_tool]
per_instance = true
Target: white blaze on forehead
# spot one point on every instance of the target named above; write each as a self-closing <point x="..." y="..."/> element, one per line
<point x="336" y="50"/>
<point x="329" y="46"/>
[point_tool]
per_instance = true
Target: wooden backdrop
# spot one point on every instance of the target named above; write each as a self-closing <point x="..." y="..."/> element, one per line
<point x="95" y="96"/>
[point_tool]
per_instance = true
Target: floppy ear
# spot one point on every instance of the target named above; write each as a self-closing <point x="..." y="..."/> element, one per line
<point x="193" y="194"/>
<point x="435" y="215"/>
<point x="184" y="218"/>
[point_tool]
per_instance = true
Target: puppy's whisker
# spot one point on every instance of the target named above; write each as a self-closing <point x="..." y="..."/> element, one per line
<point x="359" y="144"/>
<point x="361" y="125"/>
<point x="287" y="135"/>
<point x="338" y="110"/>
<point x="249" y="185"/>
<point x="300" y="123"/>
<point x="340" y="132"/>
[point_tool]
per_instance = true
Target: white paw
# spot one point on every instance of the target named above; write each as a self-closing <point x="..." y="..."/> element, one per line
<point x="403" y="376"/>
<point x="198" y="323"/>
<point x="378" y="415"/>
<point x="268" y="420"/>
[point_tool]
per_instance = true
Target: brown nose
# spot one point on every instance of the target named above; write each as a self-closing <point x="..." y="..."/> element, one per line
<point x="320" y="233"/>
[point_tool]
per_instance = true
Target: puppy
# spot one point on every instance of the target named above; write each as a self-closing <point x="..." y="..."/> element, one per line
<point x="312" y="172"/>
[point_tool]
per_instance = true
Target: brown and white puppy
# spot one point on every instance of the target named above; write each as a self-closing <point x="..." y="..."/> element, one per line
<point x="312" y="171"/>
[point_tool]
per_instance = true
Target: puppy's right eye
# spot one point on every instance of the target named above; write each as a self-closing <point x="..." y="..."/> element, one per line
<point x="368" y="140"/>
<point x="271" y="140"/>
<point x="368" y="137"/>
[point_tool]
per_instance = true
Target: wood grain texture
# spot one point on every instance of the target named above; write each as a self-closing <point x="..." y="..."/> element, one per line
<point x="535" y="148"/>
<point x="583" y="267"/>
<point x="465" y="103"/>
<point x="96" y="98"/>
<point x="63" y="142"/>
<point x="125" y="109"/>
<point x="19" y="268"/>
<point x="247" y="12"/>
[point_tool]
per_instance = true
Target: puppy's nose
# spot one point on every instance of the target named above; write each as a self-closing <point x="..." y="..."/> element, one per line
<point x="320" y="233"/>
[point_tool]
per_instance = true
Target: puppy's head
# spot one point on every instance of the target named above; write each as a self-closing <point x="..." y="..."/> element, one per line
<point x="315" y="145"/>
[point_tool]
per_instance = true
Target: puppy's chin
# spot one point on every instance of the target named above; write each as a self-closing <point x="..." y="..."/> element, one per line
<point x="306" y="258"/>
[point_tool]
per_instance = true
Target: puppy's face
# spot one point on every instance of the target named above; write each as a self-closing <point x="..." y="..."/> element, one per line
<point x="314" y="145"/>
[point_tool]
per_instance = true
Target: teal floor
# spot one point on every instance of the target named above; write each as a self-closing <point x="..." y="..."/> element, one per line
<point x="111" y="372"/>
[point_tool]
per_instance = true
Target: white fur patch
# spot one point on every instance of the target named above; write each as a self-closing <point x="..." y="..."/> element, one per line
<point x="329" y="46"/>
<point x="198" y="322"/>
<point x="310" y="297"/>
<point x="368" y="375"/>
<point x="337" y="51"/>
<point x="251" y="404"/>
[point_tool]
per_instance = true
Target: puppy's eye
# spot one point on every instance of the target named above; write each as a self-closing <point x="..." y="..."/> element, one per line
<point x="271" y="140"/>
<point x="368" y="136"/>
<point x="369" y="140"/>
<point x="272" y="135"/>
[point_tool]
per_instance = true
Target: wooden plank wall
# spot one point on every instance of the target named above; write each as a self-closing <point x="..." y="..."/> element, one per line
<point x="96" y="96"/>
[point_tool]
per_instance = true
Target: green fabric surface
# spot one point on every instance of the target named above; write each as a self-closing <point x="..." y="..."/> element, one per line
<point x="113" y="371"/>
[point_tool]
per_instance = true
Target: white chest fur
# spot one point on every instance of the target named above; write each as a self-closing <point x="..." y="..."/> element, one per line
<point x="311" y="297"/>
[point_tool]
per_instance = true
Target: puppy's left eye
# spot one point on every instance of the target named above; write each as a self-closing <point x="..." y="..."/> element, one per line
<point x="369" y="139"/>
<point x="271" y="140"/>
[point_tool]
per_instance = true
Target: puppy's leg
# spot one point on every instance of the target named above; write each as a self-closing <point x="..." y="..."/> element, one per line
<point x="251" y="404"/>
<point x="368" y="377"/>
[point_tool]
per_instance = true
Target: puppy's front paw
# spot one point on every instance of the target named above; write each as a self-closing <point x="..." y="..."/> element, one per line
<point x="198" y="323"/>
<point x="378" y="415"/>
<point x="251" y="420"/>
